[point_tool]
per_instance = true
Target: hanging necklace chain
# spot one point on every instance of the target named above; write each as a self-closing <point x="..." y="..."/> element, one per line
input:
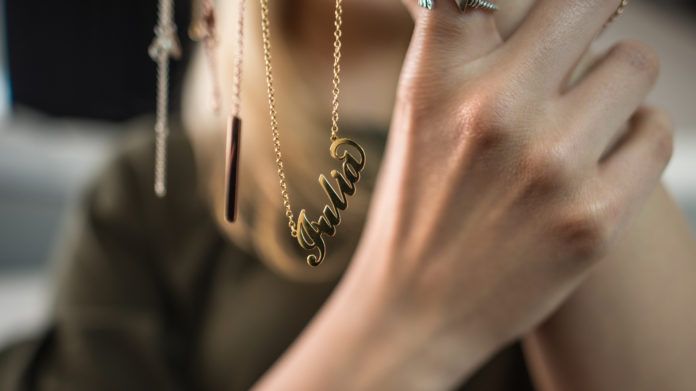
<point x="237" y="82"/>
<point x="266" y="33"/>
<point x="338" y="22"/>
<point x="164" y="46"/>
<point x="616" y="13"/>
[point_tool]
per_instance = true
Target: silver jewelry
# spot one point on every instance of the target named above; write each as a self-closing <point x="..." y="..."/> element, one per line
<point x="474" y="4"/>
<point x="426" y="4"/>
<point x="165" y="45"/>
<point x="463" y="4"/>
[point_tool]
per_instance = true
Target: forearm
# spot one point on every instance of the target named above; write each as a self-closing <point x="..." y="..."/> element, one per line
<point x="631" y="325"/>
<point x="360" y="341"/>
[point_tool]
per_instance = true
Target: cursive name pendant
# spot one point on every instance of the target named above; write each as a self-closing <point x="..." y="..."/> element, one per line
<point x="309" y="233"/>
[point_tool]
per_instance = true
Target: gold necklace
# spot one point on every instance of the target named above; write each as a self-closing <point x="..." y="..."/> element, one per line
<point x="309" y="233"/>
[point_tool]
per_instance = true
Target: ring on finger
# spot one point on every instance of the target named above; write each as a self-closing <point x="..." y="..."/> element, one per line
<point x="463" y="4"/>
<point x="426" y="3"/>
<point x="474" y="4"/>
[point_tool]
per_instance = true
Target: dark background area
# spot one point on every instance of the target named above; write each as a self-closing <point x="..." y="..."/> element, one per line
<point x="89" y="59"/>
<point x="83" y="58"/>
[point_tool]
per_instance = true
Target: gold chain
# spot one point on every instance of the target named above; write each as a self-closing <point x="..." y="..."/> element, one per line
<point x="338" y="21"/>
<point x="617" y="13"/>
<point x="266" y="33"/>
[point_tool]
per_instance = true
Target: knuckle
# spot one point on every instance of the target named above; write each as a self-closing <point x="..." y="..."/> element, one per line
<point x="545" y="169"/>
<point x="664" y="147"/>
<point x="639" y="56"/>
<point x="486" y="137"/>
<point x="483" y="119"/>
<point x="663" y="130"/>
<point x="584" y="235"/>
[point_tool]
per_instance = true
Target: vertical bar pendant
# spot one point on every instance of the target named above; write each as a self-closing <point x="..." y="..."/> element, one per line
<point x="234" y="125"/>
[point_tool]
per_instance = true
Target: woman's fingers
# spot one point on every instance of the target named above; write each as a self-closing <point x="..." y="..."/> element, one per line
<point x="412" y="7"/>
<point x="610" y="93"/>
<point x="554" y="36"/>
<point x="636" y="164"/>
<point x="451" y="34"/>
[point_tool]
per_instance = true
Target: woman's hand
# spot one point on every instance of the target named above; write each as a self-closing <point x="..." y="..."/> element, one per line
<point x="499" y="189"/>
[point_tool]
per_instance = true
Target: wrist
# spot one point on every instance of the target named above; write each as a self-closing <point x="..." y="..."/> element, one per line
<point x="365" y="337"/>
<point x="403" y="343"/>
<point x="417" y="337"/>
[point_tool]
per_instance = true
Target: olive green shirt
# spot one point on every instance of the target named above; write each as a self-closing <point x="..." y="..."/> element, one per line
<point x="154" y="297"/>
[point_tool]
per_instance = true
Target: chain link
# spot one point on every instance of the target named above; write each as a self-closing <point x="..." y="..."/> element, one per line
<point x="163" y="47"/>
<point x="338" y="22"/>
<point x="617" y="13"/>
<point x="266" y="35"/>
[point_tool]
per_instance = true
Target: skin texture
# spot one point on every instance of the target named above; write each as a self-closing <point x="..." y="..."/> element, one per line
<point x="527" y="164"/>
<point x="538" y="252"/>
<point x="628" y="326"/>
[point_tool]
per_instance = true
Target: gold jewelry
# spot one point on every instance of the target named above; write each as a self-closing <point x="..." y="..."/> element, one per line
<point x="309" y="233"/>
<point x="617" y="13"/>
<point x="234" y="125"/>
<point x="203" y="28"/>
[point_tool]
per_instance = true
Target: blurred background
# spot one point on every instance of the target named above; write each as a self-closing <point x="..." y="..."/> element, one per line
<point x="73" y="73"/>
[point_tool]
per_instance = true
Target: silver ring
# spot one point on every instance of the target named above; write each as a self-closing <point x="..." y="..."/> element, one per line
<point x="463" y="4"/>
<point x="474" y="4"/>
<point x="426" y="4"/>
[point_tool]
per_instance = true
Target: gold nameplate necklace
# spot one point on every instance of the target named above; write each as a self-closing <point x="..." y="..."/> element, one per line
<point x="307" y="232"/>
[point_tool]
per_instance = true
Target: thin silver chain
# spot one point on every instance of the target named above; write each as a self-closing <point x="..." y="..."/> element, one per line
<point x="164" y="46"/>
<point x="161" y="127"/>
